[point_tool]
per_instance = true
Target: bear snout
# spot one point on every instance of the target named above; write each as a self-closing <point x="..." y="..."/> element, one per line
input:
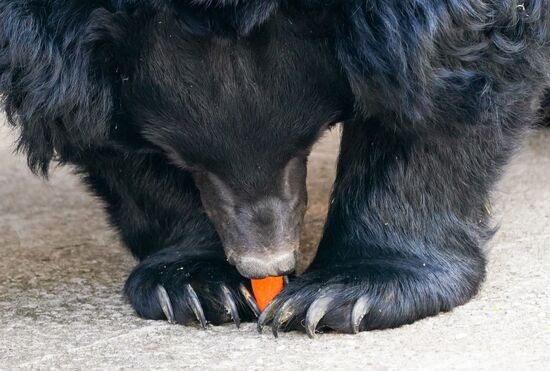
<point x="260" y="233"/>
<point x="260" y="240"/>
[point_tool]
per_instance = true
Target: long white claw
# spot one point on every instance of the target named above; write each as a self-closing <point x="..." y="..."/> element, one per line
<point x="230" y="304"/>
<point x="359" y="311"/>
<point x="194" y="303"/>
<point x="165" y="304"/>
<point x="316" y="312"/>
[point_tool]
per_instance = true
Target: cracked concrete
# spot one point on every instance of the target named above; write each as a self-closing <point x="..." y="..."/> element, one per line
<point x="62" y="269"/>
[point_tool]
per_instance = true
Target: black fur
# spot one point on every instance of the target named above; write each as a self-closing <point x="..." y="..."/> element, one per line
<point x="144" y="96"/>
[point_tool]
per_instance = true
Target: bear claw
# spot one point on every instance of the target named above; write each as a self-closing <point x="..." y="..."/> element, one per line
<point x="195" y="304"/>
<point x="230" y="305"/>
<point x="249" y="299"/>
<point x="359" y="311"/>
<point x="316" y="312"/>
<point x="165" y="304"/>
<point x="282" y="316"/>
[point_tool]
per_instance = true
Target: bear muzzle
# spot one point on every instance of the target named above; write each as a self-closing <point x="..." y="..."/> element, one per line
<point x="260" y="233"/>
<point x="260" y="239"/>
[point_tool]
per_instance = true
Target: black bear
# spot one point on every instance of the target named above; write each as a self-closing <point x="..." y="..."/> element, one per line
<point x="193" y="120"/>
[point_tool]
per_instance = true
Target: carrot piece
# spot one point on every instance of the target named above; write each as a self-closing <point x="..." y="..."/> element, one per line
<point x="266" y="289"/>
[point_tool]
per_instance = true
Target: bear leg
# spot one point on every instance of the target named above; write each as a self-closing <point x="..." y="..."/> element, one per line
<point x="408" y="218"/>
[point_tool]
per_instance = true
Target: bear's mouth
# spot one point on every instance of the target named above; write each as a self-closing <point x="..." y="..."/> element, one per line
<point x="260" y="233"/>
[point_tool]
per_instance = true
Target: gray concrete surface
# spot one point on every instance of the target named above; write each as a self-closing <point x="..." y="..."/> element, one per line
<point x="62" y="268"/>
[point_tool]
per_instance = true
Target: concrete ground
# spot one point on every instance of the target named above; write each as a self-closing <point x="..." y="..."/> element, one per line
<point x="62" y="269"/>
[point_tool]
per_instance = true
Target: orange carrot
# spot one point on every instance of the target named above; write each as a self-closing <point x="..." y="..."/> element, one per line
<point x="266" y="289"/>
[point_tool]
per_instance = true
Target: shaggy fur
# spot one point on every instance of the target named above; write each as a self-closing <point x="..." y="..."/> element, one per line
<point x="143" y="95"/>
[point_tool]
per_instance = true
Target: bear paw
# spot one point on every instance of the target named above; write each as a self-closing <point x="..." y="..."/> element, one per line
<point x="359" y="298"/>
<point x="190" y="292"/>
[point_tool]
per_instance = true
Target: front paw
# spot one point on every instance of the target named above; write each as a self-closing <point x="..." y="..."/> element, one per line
<point x="354" y="298"/>
<point x="316" y="301"/>
<point x="190" y="291"/>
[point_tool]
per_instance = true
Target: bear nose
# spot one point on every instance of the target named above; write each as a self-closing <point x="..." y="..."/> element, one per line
<point x="265" y="265"/>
